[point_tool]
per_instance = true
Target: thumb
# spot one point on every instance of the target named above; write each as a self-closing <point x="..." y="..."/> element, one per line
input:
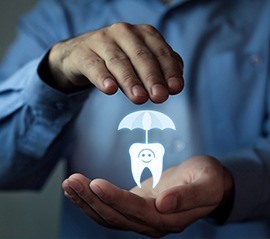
<point x="188" y="196"/>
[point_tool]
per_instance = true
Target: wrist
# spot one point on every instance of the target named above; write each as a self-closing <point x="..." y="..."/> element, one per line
<point x="55" y="78"/>
<point x="222" y="212"/>
<point x="228" y="188"/>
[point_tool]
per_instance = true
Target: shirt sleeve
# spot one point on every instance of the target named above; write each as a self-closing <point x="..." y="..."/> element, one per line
<point x="250" y="168"/>
<point x="32" y="114"/>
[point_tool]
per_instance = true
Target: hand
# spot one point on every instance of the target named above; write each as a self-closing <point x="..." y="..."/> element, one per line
<point x="134" y="58"/>
<point x="185" y="193"/>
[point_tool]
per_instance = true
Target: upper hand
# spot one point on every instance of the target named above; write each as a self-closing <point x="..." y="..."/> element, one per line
<point x="134" y="58"/>
<point x="185" y="193"/>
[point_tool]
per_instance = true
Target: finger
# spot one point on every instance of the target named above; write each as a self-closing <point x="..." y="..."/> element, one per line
<point x="93" y="67"/>
<point x="72" y="195"/>
<point x="177" y="221"/>
<point x="134" y="208"/>
<point x="116" y="200"/>
<point x="187" y="197"/>
<point x="131" y="205"/>
<point x="172" y="70"/>
<point x="103" y="214"/>
<point x="143" y="61"/>
<point x="74" y="61"/>
<point x="118" y="63"/>
<point x="170" y="62"/>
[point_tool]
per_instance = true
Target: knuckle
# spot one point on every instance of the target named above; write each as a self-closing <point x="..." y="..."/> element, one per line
<point x="142" y="54"/>
<point x="150" y="29"/>
<point x="99" y="34"/>
<point x="74" y="45"/>
<point x="110" y="200"/>
<point x="93" y="61"/>
<point x="151" y="77"/>
<point x="90" y="200"/>
<point x="115" y="56"/>
<point x="77" y="200"/>
<point x="121" y="27"/>
<point x="60" y="52"/>
<point x="128" y="80"/>
<point x="164" y="52"/>
<point x="139" y="216"/>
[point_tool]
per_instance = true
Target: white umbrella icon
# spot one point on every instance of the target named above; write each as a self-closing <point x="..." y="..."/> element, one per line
<point x="146" y="119"/>
<point x="146" y="155"/>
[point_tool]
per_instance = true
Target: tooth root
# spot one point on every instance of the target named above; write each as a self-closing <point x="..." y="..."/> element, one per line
<point x="156" y="173"/>
<point x="137" y="172"/>
<point x="136" y="165"/>
<point x="156" y="166"/>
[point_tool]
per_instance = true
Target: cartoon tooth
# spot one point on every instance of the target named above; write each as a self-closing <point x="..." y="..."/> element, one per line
<point x="146" y="156"/>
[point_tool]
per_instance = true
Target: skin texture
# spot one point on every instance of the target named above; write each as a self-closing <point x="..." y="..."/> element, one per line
<point x="185" y="193"/>
<point x="134" y="58"/>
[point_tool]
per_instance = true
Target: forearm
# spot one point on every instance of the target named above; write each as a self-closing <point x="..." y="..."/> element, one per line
<point x="32" y="114"/>
<point x="250" y="168"/>
<point x="30" y="126"/>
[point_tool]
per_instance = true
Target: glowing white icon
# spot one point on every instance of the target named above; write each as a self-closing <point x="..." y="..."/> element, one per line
<point x="148" y="155"/>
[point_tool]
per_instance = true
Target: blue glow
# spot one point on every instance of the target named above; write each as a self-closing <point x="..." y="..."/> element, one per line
<point x="144" y="154"/>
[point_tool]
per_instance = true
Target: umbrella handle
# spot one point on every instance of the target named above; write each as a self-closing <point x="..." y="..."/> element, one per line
<point x="146" y="136"/>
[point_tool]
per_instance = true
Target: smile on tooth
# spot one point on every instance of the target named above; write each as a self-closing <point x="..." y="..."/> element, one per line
<point x="146" y="156"/>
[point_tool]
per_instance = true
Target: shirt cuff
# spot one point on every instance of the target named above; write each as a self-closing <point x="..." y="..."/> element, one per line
<point x="50" y="110"/>
<point x="51" y="102"/>
<point x="247" y="173"/>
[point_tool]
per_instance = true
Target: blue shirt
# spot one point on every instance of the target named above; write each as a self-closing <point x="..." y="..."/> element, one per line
<point x="223" y="111"/>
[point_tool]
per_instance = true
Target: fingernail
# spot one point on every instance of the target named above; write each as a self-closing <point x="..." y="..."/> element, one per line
<point x="138" y="90"/>
<point x="174" y="83"/>
<point x="158" y="90"/>
<point x="68" y="195"/>
<point x="169" y="204"/>
<point x="108" y="82"/>
<point x="97" y="190"/>
<point x="69" y="192"/>
<point x="75" y="186"/>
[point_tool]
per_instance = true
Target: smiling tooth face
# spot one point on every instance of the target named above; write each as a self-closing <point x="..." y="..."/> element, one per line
<point x="146" y="155"/>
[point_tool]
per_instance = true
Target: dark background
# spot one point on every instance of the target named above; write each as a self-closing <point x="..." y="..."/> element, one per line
<point x="27" y="214"/>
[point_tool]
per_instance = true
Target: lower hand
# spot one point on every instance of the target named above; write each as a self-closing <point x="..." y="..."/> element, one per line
<point x="185" y="193"/>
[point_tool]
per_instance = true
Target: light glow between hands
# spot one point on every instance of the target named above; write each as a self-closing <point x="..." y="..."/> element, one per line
<point x="144" y="154"/>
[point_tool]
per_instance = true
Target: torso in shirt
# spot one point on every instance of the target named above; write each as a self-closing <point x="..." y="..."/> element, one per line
<point x="208" y="115"/>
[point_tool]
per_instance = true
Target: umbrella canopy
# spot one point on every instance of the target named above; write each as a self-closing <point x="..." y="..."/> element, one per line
<point x="146" y="119"/>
